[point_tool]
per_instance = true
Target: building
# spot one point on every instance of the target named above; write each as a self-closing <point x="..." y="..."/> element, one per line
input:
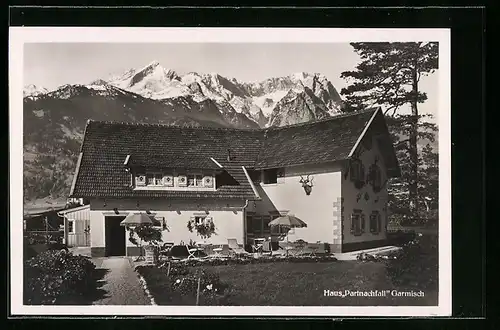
<point x="330" y="173"/>
<point x="42" y="217"/>
<point x="76" y="224"/>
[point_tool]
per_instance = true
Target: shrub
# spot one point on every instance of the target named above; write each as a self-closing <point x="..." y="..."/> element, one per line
<point x="181" y="286"/>
<point x="416" y="264"/>
<point x="56" y="277"/>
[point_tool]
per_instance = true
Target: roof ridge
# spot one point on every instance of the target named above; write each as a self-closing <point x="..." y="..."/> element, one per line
<point x="331" y="118"/>
<point x="201" y="128"/>
<point x="124" y="123"/>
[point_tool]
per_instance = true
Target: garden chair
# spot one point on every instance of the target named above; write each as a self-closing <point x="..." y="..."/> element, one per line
<point x="218" y="251"/>
<point x="179" y="252"/>
<point x="165" y="249"/>
<point x="258" y="245"/>
<point x="236" y="249"/>
<point x="314" y="248"/>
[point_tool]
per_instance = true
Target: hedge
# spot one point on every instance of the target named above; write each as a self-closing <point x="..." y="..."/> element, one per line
<point x="57" y="277"/>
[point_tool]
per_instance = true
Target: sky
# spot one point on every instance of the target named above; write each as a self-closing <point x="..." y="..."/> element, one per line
<point x="50" y="65"/>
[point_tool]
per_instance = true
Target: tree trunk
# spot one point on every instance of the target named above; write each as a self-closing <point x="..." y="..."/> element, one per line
<point x="413" y="152"/>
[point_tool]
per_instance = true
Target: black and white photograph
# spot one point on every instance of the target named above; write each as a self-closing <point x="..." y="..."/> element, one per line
<point x="228" y="171"/>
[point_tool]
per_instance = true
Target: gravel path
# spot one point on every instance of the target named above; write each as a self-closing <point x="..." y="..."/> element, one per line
<point x="121" y="283"/>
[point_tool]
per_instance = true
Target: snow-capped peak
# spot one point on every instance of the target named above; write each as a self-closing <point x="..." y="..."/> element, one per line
<point x="99" y="82"/>
<point x="34" y="90"/>
<point x="300" y="75"/>
<point x="151" y="81"/>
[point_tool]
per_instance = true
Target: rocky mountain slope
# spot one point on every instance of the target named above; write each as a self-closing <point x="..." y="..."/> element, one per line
<point x="54" y="121"/>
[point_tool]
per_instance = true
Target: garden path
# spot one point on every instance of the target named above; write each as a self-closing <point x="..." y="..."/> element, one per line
<point x="121" y="283"/>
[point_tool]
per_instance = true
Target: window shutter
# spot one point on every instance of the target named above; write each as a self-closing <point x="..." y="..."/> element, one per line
<point x="352" y="170"/>
<point x="362" y="222"/>
<point x="208" y="181"/>
<point x="140" y="179"/>
<point x="168" y="180"/>
<point x="353" y="217"/>
<point x="182" y="179"/>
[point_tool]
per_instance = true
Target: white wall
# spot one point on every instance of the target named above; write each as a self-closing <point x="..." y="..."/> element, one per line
<point x="96" y="229"/>
<point x="316" y="209"/>
<point x="226" y="214"/>
<point x="350" y="193"/>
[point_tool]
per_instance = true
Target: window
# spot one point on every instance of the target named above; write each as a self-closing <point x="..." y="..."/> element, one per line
<point x="154" y="179"/>
<point x="159" y="222"/>
<point x="357" y="170"/>
<point x="375" y="177"/>
<point x="159" y="179"/>
<point x="271" y="176"/>
<point x="194" y="180"/>
<point x="375" y="222"/>
<point x="357" y="223"/>
<point x="71" y="226"/>
<point x="199" y="220"/>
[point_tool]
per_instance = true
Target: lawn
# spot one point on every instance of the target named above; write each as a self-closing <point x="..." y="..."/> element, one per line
<point x="284" y="283"/>
<point x="303" y="284"/>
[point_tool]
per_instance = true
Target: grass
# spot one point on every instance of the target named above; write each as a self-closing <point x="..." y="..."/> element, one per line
<point x="303" y="284"/>
<point x="295" y="284"/>
<point x="286" y="283"/>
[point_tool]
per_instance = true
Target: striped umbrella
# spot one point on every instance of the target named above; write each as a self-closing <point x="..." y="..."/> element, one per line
<point x="136" y="219"/>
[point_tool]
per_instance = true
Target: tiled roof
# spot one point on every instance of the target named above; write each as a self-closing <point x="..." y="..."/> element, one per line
<point x="322" y="141"/>
<point x="106" y="145"/>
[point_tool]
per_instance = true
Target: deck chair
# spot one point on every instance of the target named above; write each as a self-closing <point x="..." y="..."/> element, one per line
<point x="179" y="252"/>
<point x="236" y="249"/>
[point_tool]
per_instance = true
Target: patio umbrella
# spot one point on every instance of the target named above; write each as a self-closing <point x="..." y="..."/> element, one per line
<point x="288" y="221"/>
<point x="136" y="219"/>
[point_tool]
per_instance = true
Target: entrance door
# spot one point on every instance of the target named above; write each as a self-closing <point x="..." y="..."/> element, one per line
<point x="115" y="236"/>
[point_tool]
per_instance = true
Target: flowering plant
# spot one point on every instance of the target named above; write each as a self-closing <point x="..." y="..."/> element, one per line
<point x="204" y="229"/>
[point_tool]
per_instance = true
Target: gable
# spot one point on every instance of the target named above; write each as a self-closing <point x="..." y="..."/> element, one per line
<point x="377" y="132"/>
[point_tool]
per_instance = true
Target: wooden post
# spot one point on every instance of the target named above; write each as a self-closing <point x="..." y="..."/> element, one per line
<point x="47" y="230"/>
<point x="168" y="269"/>
<point x="198" y="291"/>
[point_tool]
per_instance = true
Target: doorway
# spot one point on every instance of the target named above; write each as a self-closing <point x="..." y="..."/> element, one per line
<point x="115" y="236"/>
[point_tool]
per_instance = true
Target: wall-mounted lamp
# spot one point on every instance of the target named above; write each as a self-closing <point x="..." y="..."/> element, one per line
<point x="116" y="210"/>
<point x="104" y="204"/>
<point x="137" y="204"/>
<point x="178" y="212"/>
<point x="207" y="212"/>
<point x="148" y="211"/>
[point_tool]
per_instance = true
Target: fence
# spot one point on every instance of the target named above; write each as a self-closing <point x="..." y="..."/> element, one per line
<point x="43" y="237"/>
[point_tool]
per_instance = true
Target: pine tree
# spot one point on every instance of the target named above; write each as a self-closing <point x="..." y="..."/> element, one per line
<point x="389" y="76"/>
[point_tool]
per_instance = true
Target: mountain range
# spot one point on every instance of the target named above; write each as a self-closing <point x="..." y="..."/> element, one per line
<point x="54" y="121"/>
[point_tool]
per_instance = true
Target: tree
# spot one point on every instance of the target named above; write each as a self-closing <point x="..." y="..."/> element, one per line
<point x="389" y="76"/>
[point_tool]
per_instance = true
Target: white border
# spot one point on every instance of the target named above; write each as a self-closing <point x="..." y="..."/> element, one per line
<point x="20" y="35"/>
